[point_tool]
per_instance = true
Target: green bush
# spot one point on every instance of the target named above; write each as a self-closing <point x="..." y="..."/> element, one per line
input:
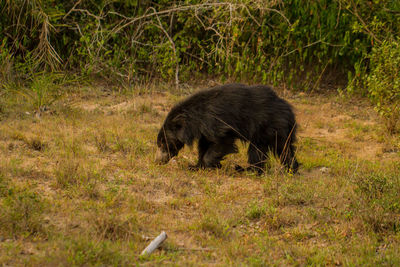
<point x="302" y="44"/>
<point x="383" y="82"/>
<point x="43" y="90"/>
<point x="295" y="42"/>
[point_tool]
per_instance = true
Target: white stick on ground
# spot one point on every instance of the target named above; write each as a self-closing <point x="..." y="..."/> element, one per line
<point x="154" y="244"/>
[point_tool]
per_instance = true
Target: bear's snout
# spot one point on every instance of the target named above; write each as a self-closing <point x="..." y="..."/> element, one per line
<point x="162" y="157"/>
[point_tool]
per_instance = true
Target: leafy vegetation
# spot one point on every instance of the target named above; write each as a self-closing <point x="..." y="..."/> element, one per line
<point x="383" y="82"/>
<point x="258" y="40"/>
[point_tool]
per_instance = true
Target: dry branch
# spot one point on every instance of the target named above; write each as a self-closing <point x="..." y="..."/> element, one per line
<point x="192" y="7"/>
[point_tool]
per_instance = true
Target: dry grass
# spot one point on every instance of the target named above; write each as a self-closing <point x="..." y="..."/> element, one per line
<point x="79" y="187"/>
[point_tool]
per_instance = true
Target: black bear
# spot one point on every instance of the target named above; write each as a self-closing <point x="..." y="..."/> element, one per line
<point x="218" y="116"/>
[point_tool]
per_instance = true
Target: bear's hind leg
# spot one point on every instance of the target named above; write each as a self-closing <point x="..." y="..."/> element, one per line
<point x="257" y="156"/>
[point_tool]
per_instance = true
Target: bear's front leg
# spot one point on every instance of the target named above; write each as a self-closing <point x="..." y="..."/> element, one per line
<point x="216" y="152"/>
<point x="211" y="154"/>
<point x="202" y="148"/>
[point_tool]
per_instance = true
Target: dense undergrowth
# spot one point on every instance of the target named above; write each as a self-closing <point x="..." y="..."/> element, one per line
<point x="351" y="44"/>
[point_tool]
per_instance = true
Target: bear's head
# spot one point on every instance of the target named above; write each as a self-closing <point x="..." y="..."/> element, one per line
<point x="170" y="139"/>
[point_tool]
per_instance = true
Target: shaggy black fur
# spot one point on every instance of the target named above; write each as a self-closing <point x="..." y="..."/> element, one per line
<point x="218" y="116"/>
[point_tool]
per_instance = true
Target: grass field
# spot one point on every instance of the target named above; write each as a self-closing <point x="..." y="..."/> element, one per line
<point x="79" y="186"/>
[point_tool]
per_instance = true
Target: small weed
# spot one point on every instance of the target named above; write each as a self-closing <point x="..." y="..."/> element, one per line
<point x="70" y="173"/>
<point x="121" y="144"/>
<point x="83" y="251"/>
<point x="91" y="189"/>
<point x="70" y="146"/>
<point x="14" y="167"/>
<point x="295" y="193"/>
<point x="214" y="226"/>
<point x="101" y="142"/>
<point x="358" y="128"/>
<point x="255" y="211"/>
<point x="278" y="218"/>
<point x="44" y="90"/>
<point x="67" y="173"/>
<point x="144" y="109"/>
<point x="114" y="226"/>
<point x="18" y="136"/>
<point x="379" y="201"/>
<point x="320" y="124"/>
<point x="4" y="185"/>
<point x="140" y="147"/>
<point x="21" y="213"/>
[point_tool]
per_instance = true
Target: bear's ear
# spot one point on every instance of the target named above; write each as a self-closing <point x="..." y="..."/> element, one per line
<point x="179" y="121"/>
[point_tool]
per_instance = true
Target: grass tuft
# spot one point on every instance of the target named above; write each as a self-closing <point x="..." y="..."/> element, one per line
<point x="21" y="213"/>
<point x="379" y="201"/>
<point x="113" y="226"/>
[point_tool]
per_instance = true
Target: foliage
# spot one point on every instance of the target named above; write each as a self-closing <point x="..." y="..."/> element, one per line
<point x="5" y="62"/>
<point x="265" y="41"/>
<point x="44" y="89"/>
<point x="383" y="82"/>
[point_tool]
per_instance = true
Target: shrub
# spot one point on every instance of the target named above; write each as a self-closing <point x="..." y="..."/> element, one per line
<point x="269" y="41"/>
<point x="383" y="82"/>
